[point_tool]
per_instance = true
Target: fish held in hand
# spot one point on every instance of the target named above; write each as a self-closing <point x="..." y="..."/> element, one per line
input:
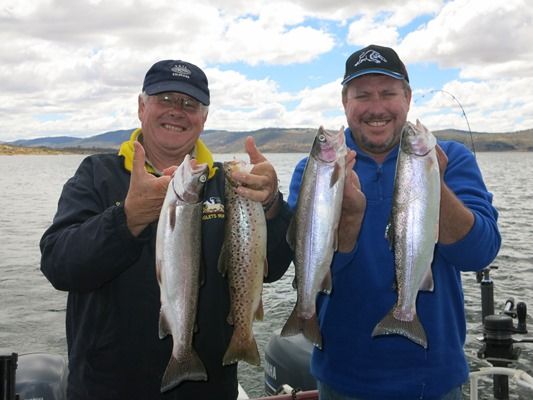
<point x="178" y="263"/>
<point x="243" y="260"/>
<point x="313" y="230"/>
<point x="413" y="229"/>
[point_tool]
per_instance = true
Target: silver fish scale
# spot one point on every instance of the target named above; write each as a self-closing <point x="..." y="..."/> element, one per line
<point x="313" y="231"/>
<point x="178" y="260"/>
<point x="413" y="230"/>
<point x="415" y="220"/>
<point x="243" y="260"/>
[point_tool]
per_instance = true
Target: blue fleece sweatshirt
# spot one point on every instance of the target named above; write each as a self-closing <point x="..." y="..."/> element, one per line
<point x="393" y="367"/>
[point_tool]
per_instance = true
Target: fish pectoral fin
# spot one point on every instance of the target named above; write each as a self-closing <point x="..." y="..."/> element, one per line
<point x="229" y="319"/>
<point x="265" y="268"/>
<point x="164" y="327"/>
<point x="291" y="234"/>
<point x="427" y="283"/>
<point x="259" y="312"/>
<point x="389" y="234"/>
<point x="326" y="283"/>
<point x="201" y="273"/>
<point x="336" y="175"/>
<point x="222" y="265"/>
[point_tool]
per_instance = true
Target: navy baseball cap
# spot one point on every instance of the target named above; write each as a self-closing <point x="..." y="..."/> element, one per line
<point x="177" y="76"/>
<point x="374" y="59"/>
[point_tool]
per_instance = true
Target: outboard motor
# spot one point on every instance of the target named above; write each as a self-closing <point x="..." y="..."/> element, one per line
<point x="287" y="362"/>
<point x="42" y="376"/>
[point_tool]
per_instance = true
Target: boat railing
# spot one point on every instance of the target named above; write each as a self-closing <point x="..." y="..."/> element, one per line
<point x="517" y="376"/>
<point x="499" y="339"/>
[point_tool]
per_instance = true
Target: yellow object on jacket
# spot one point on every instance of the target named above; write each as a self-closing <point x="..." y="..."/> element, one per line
<point x="201" y="153"/>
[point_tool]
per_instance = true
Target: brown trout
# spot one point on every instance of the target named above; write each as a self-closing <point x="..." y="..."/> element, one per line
<point x="413" y="229"/>
<point x="243" y="260"/>
<point x="178" y="261"/>
<point x="313" y="230"/>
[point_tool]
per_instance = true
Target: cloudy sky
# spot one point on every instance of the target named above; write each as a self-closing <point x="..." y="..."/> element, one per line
<point x="75" y="67"/>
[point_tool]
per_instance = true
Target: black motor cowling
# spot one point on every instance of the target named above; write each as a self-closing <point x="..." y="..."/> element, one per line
<point x="287" y="362"/>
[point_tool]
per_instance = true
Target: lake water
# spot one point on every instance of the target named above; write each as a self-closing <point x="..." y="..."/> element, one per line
<point x="32" y="313"/>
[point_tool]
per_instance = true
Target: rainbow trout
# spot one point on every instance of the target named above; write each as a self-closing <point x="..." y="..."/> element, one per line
<point x="243" y="260"/>
<point x="178" y="259"/>
<point x="313" y="230"/>
<point x="413" y="229"/>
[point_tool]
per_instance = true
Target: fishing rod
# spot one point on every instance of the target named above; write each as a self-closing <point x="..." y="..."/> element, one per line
<point x="462" y="111"/>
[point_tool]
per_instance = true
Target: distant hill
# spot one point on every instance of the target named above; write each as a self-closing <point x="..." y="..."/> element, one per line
<point x="107" y="140"/>
<point x="278" y="140"/>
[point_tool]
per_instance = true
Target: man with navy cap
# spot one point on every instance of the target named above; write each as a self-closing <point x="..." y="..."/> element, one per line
<point x="101" y="249"/>
<point x="353" y="364"/>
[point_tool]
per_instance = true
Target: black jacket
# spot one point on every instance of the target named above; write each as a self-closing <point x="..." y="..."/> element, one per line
<point x="113" y="302"/>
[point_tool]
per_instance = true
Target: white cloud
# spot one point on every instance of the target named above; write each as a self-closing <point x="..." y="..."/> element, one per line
<point x="75" y="67"/>
<point x="474" y="33"/>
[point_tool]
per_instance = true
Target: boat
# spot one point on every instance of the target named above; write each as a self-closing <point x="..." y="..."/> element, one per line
<point x="286" y="367"/>
<point x="44" y="376"/>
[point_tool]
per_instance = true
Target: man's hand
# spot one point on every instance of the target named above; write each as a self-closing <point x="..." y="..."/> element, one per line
<point x="145" y="194"/>
<point x="261" y="184"/>
<point x="353" y="208"/>
<point x="455" y="219"/>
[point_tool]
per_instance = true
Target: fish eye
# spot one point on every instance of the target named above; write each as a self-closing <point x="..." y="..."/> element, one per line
<point x="202" y="178"/>
<point x="322" y="138"/>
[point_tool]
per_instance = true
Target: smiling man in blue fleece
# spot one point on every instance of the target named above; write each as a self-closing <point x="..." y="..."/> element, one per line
<point x="352" y="364"/>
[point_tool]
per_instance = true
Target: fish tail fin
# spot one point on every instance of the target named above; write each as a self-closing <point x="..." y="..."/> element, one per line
<point x="242" y="349"/>
<point x="412" y="330"/>
<point x="187" y="367"/>
<point x="308" y="327"/>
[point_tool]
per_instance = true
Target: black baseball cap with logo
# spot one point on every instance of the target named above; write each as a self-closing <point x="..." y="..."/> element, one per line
<point x="177" y="76"/>
<point x="375" y="59"/>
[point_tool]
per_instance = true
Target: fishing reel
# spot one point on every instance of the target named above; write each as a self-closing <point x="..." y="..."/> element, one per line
<point x="498" y="330"/>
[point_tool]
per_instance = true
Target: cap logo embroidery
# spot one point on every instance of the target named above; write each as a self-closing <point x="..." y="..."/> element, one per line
<point x="371" y="56"/>
<point x="181" y="70"/>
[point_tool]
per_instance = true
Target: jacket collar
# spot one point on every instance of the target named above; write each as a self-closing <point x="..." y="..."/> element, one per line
<point x="200" y="152"/>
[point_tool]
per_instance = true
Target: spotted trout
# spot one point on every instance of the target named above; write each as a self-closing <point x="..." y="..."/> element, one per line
<point x="178" y="261"/>
<point x="413" y="229"/>
<point x="313" y="230"/>
<point x="243" y="261"/>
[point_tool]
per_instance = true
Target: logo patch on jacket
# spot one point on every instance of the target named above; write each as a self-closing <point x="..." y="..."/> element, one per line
<point x="213" y="208"/>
